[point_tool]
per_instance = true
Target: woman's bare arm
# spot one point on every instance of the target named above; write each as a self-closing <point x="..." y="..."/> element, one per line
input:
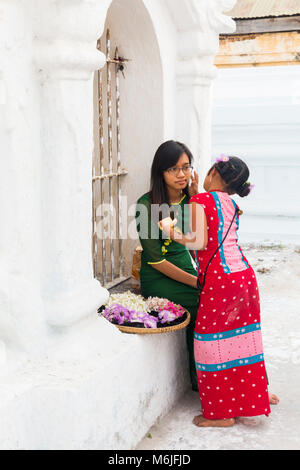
<point x="172" y="271"/>
<point x="197" y="239"/>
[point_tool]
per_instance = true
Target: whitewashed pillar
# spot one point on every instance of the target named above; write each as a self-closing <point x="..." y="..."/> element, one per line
<point x="66" y="58"/>
<point x="198" y="43"/>
<point x="48" y="56"/>
<point x="22" y="320"/>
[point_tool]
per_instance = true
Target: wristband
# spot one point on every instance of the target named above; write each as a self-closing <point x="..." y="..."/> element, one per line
<point x="199" y="285"/>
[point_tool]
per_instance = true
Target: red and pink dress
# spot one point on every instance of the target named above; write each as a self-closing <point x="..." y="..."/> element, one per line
<point x="228" y="344"/>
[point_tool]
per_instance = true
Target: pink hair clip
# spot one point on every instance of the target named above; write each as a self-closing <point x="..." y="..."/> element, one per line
<point x="223" y="158"/>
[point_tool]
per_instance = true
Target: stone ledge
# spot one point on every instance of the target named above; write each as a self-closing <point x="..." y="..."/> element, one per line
<point x="103" y="391"/>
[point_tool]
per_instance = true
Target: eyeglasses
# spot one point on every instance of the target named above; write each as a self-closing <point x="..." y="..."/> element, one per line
<point x="187" y="169"/>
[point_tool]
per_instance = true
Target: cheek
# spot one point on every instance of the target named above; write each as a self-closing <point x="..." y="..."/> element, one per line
<point x="167" y="178"/>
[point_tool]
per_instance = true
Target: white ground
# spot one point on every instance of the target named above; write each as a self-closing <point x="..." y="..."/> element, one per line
<point x="280" y="301"/>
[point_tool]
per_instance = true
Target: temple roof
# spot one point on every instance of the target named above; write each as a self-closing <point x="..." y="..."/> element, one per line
<point x="264" y="8"/>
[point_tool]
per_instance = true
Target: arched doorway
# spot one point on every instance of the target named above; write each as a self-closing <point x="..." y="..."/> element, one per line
<point x="128" y="127"/>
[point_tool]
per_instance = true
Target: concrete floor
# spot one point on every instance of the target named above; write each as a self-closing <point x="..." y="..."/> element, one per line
<point x="278" y="274"/>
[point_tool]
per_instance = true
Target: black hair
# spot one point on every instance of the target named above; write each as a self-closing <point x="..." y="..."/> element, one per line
<point x="235" y="173"/>
<point x="166" y="156"/>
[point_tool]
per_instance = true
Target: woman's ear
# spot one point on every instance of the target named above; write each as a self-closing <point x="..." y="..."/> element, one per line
<point x="214" y="172"/>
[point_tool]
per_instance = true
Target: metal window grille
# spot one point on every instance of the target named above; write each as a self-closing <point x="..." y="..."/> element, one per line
<point x="107" y="173"/>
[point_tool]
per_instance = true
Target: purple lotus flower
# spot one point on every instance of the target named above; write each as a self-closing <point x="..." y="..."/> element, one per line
<point x="118" y="314"/>
<point x="150" y="322"/>
<point x="166" y="316"/>
<point x="138" y="317"/>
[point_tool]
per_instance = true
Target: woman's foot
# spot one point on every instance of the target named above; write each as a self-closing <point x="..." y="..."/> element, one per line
<point x="210" y="423"/>
<point x="274" y="400"/>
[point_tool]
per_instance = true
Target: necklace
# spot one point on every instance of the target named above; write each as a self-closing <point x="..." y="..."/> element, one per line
<point x="179" y="202"/>
<point x="182" y="196"/>
<point x="217" y="191"/>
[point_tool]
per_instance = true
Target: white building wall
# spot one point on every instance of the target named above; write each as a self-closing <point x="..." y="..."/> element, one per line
<point x="256" y="116"/>
<point x="68" y="378"/>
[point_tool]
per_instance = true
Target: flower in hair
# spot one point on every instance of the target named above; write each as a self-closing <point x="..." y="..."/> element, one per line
<point x="223" y="158"/>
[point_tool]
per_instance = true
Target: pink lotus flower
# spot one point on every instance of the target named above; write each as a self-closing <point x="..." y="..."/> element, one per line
<point x="176" y="310"/>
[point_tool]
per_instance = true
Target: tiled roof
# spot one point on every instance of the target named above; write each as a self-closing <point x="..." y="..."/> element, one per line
<point x="264" y="8"/>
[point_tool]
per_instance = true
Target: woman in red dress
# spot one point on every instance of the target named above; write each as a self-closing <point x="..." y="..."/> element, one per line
<point x="228" y="345"/>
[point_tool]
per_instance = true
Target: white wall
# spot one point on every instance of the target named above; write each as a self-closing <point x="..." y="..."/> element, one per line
<point x="98" y="389"/>
<point x="68" y="378"/>
<point x="256" y="115"/>
<point x="142" y="105"/>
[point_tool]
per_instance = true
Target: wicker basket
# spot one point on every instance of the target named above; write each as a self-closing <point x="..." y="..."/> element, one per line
<point x="156" y="331"/>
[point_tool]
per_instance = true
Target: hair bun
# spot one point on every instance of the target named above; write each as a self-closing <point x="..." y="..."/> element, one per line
<point x="235" y="174"/>
<point x="244" y="190"/>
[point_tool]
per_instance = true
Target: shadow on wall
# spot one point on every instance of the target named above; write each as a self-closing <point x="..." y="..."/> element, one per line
<point x="141" y="104"/>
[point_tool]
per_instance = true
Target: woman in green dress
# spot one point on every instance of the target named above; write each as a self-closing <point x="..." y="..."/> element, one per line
<point x="167" y="268"/>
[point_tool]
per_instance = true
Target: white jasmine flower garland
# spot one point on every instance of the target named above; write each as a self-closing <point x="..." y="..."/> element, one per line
<point x="129" y="300"/>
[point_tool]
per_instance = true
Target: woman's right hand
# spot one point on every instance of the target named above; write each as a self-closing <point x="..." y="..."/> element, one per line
<point x="167" y="225"/>
<point x="194" y="187"/>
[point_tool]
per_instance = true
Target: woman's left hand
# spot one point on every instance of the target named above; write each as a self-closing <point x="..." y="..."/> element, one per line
<point x="194" y="187"/>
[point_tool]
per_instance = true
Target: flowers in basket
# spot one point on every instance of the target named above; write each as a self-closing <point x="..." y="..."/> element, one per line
<point x="133" y="310"/>
<point x="167" y="311"/>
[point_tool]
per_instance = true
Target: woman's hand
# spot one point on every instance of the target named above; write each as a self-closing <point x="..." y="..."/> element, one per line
<point x="167" y="225"/>
<point x="194" y="187"/>
<point x="173" y="272"/>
